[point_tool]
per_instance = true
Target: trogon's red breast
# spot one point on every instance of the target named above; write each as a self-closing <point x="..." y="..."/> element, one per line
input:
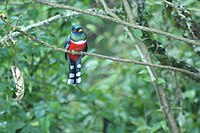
<point x="76" y="46"/>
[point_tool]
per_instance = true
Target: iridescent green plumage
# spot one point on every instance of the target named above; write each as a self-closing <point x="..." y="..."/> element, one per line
<point x="77" y="35"/>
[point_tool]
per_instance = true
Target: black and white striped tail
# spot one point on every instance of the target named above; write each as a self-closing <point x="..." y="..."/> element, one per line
<point x="74" y="72"/>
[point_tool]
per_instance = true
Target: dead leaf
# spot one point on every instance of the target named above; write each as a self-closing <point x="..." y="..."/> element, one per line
<point x="19" y="81"/>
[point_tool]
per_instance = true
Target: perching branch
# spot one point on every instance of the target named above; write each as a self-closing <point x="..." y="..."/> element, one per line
<point x="110" y="57"/>
<point x="45" y="22"/>
<point x="49" y="20"/>
<point x="103" y="56"/>
<point x="134" y="26"/>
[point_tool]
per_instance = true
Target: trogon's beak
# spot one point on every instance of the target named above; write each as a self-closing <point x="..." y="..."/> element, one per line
<point x="80" y="30"/>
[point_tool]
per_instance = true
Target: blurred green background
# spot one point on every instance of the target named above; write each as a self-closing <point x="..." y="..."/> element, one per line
<point x="117" y="95"/>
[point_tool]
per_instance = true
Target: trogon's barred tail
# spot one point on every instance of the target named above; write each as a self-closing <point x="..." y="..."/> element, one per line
<point x="74" y="76"/>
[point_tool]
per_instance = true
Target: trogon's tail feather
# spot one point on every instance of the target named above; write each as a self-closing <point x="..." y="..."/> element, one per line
<point x="78" y="70"/>
<point x="74" y="72"/>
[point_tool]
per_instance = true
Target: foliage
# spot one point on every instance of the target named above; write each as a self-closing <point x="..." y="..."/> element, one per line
<point x="121" y="94"/>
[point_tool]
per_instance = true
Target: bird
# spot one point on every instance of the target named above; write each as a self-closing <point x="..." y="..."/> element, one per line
<point x="76" y="41"/>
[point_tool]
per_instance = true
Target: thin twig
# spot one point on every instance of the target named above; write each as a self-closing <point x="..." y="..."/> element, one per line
<point x="38" y="24"/>
<point x="45" y="22"/>
<point x="169" y="3"/>
<point x="134" y="26"/>
<point x="193" y="9"/>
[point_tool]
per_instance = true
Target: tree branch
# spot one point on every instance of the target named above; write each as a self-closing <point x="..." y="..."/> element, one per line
<point x="156" y="47"/>
<point x="38" y="24"/>
<point x="143" y="50"/>
<point x="183" y="19"/>
<point x="67" y="15"/>
<point x="101" y="56"/>
<point x="109" y="57"/>
<point x="134" y="26"/>
<point x="47" y="22"/>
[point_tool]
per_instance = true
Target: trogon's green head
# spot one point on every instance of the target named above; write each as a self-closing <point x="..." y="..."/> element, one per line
<point x="77" y="33"/>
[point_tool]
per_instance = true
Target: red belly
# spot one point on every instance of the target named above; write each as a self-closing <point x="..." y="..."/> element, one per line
<point x="75" y="47"/>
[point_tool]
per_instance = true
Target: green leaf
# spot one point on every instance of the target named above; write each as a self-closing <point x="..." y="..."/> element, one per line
<point x="14" y="125"/>
<point x="155" y="128"/>
<point x="31" y="129"/>
<point x="164" y="125"/>
<point x="148" y="79"/>
<point x="35" y="123"/>
<point x="181" y="119"/>
<point x="189" y="94"/>
<point x="137" y="33"/>
<point x="45" y="124"/>
<point x="161" y="81"/>
<point x="91" y="27"/>
<point x="99" y="39"/>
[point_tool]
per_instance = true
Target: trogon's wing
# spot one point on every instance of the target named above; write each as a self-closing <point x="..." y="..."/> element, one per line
<point x="86" y="47"/>
<point x="67" y="43"/>
<point x="85" y="50"/>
